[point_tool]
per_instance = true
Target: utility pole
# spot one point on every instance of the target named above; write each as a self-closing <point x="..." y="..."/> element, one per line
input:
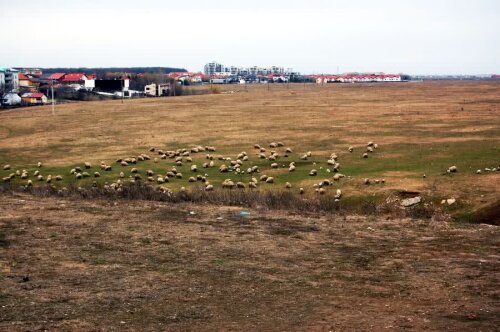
<point x="53" y="102"/>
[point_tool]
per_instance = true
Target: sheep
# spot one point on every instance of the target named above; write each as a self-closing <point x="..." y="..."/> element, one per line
<point x="211" y="164"/>
<point x="273" y="145"/>
<point x="192" y="179"/>
<point x="97" y="174"/>
<point x="178" y="175"/>
<point x="40" y="177"/>
<point x="150" y="172"/>
<point x="170" y="174"/>
<point x="367" y="181"/>
<point x="78" y="177"/>
<point x="272" y="157"/>
<point x="338" y="194"/>
<point x="223" y="169"/>
<point x="309" y="154"/>
<point x="6" y="179"/>
<point x="18" y="173"/>
<point x="321" y="191"/>
<point x="140" y="158"/>
<point x="301" y="191"/>
<point x="350" y="149"/>
<point x="163" y="156"/>
<point x="182" y="189"/>
<point x="240" y="185"/>
<point x="383" y="180"/>
<point x="375" y="146"/>
<point x="78" y="169"/>
<point x="256" y="146"/>
<point x="331" y="162"/>
<point x="166" y="179"/>
<point x="24" y="176"/>
<point x="263" y="177"/>
<point x="108" y="168"/>
<point x="228" y="184"/>
<point x="262" y="150"/>
<point x="280" y="144"/>
<point x="39" y="164"/>
<point x="155" y="160"/>
<point x="288" y="150"/>
<point x="122" y="175"/>
<point x="270" y="180"/>
<point x="220" y="157"/>
<point x="209" y="187"/>
<point x="274" y="165"/>
<point x="252" y="184"/>
<point x="146" y="157"/>
<point x="291" y="168"/>
<point x="313" y="172"/>
<point x="245" y="158"/>
<point x="288" y="185"/>
<point x="303" y="157"/>
<point x="262" y="156"/>
<point x="478" y="171"/>
<point x="370" y="143"/>
<point x="189" y="159"/>
<point x="87" y="165"/>
<point x="151" y="149"/>
<point x="137" y="177"/>
<point x="85" y="174"/>
<point x="174" y="170"/>
<point x="6" y="167"/>
<point x="29" y="183"/>
<point x="179" y="163"/>
<point x="151" y="179"/>
<point x="205" y="165"/>
<point x="452" y="169"/>
<point x="369" y="149"/>
<point x="365" y="155"/>
<point x="211" y="149"/>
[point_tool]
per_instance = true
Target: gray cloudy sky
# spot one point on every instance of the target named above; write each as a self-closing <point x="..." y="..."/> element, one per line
<point x="313" y="36"/>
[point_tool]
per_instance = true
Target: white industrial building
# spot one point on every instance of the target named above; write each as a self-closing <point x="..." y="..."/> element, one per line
<point x="9" y="79"/>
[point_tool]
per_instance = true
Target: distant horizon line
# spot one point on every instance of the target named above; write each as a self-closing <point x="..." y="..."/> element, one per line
<point x="183" y="68"/>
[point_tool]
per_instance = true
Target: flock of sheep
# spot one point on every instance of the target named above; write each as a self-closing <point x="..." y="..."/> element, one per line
<point x="240" y="165"/>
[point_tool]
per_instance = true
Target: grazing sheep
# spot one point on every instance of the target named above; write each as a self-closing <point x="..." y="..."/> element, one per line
<point x="39" y="164"/>
<point x="108" y="168"/>
<point x="209" y="187"/>
<point x="375" y="146"/>
<point x="370" y="143"/>
<point x="274" y="165"/>
<point x="223" y="168"/>
<point x="155" y="160"/>
<point x="18" y="173"/>
<point x="478" y="171"/>
<point x="280" y="144"/>
<point x="151" y="149"/>
<point x="146" y="157"/>
<point x="85" y="174"/>
<point x="263" y="177"/>
<point x="309" y="154"/>
<point x="36" y="173"/>
<point x="24" y="176"/>
<point x="350" y="149"/>
<point x="179" y="163"/>
<point x="303" y="157"/>
<point x="97" y="174"/>
<point x="150" y="172"/>
<point x="272" y="157"/>
<point x="170" y="174"/>
<point x="182" y="189"/>
<point x="291" y="168"/>
<point x="228" y="184"/>
<point x="29" y="183"/>
<point x="124" y="163"/>
<point x="6" y="167"/>
<point x="321" y="191"/>
<point x="245" y="158"/>
<point x="256" y="146"/>
<point x="178" y="175"/>
<point x="288" y="185"/>
<point x="369" y="149"/>
<point x="262" y="150"/>
<point x="140" y="158"/>
<point x="192" y="179"/>
<point x="365" y="155"/>
<point x="313" y="172"/>
<point x="262" y="156"/>
<point x="78" y="176"/>
<point x="367" y="181"/>
<point x="301" y="191"/>
<point x="189" y="159"/>
<point x="163" y="156"/>
<point x="252" y="184"/>
<point x="273" y="145"/>
<point x="122" y="175"/>
<point x="40" y="177"/>
<point x="383" y="180"/>
<point x="288" y="150"/>
<point x="6" y="179"/>
<point x="240" y="185"/>
<point x="338" y="194"/>
<point x="270" y="180"/>
<point x="211" y="164"/>
<point x="331" y="162"/>
<point x="205" y="165"/>
<point x="134" y="170"/>
<point x="73" y="171"/>
<point x="87" y="165"/>
<point x="151" y="179"/>
<point x="78" y="169"/>
<point x="452" y="169"/>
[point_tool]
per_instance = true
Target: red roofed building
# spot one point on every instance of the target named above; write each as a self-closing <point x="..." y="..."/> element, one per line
<point x="34" y="98"/>
<point x="74" y="78"/>
<point x="25" y="81"/>
<point x="56" y="76"/>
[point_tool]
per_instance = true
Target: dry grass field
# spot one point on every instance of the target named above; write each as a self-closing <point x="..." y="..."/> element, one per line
<point x="421" y="128"/>
<point x="93" y="259"/>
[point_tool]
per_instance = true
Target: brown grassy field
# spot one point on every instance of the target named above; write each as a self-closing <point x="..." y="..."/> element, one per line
<point x="92" y="260"/>
<point x="421" y="128"/>
<point x="70" y="264"/>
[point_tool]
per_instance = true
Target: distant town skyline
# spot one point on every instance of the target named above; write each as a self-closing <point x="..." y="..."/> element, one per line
<point x="314" y="37"/>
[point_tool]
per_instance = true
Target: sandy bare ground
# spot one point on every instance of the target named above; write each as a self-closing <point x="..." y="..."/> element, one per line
<point x="121" y="265"/>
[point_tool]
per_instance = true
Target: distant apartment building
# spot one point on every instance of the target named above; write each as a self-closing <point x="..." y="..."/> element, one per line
<point x="9" y="79"/>
<point x="215" y="68"/>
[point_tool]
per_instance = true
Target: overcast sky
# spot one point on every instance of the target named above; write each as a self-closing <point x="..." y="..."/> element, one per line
<point x="313" y="36"/>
